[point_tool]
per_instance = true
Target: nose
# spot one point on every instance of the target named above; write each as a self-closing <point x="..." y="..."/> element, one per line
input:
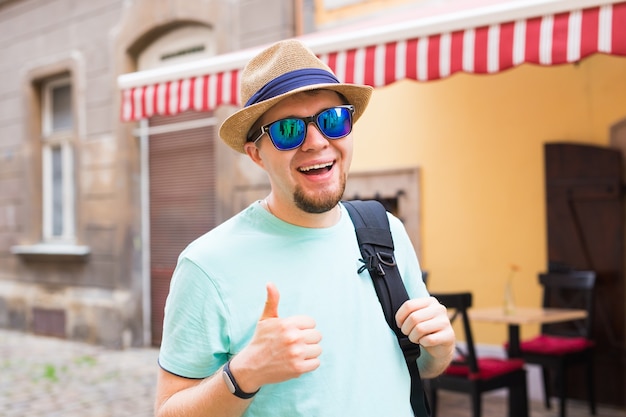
<point x="314" y="139"/>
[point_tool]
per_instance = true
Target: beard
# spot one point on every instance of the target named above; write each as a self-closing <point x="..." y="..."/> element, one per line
<point x="321" y="202"/>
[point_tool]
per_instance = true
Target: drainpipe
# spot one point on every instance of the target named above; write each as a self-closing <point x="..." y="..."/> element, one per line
<point x="145" y="229"/>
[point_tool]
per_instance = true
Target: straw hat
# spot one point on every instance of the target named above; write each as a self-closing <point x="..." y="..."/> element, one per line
<point x="283" y="69"/>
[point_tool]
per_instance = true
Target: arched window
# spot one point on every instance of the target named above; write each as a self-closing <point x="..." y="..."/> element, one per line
<point x="182" y="44"/>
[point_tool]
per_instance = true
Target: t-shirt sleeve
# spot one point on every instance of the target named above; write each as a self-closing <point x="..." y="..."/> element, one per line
<point x="195" y="339"/>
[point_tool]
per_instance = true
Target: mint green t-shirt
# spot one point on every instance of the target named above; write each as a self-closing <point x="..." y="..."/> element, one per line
<point x="218" y="292"/>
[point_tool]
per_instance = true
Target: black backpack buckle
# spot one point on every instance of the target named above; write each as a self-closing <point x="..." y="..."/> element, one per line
<point x="379" y="260"/>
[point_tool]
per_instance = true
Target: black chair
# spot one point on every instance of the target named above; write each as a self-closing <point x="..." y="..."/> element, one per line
<point x="473" y="375"/>
<point x="562" y="345"/>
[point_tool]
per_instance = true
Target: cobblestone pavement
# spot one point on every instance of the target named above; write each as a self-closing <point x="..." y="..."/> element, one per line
<point x="48" y="377"/>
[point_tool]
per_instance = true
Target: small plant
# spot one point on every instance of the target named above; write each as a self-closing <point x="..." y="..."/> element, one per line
<point x="87" y="360"/>
<point x="50" y="373"/>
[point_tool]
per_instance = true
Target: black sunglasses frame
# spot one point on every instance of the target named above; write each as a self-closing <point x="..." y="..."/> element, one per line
<point x="307" y="120"/>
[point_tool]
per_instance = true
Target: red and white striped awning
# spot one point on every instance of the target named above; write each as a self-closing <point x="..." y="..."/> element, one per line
<point x="478" y="40"/>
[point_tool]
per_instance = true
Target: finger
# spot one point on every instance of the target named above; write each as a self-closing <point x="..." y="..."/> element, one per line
<point x="300" y="322"/>
<point x="409" y="307"/>
<point x="312" y="352"/>
<point x="311" y="336"/>
<point x="271" y="304"/>
<point x="425" y="322"/>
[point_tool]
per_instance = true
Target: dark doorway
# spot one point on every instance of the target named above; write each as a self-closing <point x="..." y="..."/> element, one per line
<point x="585" y="231"/>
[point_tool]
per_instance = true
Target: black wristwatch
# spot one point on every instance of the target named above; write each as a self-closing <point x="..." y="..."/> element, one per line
<point x="232" y="385"/>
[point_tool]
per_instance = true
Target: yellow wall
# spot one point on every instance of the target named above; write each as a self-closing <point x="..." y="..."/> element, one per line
<point x="328" y="15"/>
<point x="479" y="143"/>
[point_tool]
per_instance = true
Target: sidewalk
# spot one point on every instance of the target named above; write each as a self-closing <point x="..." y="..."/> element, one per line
<point x="48" y="377"/>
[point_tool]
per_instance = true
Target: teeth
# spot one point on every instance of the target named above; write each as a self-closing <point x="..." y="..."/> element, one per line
<point x="317" y="166"/>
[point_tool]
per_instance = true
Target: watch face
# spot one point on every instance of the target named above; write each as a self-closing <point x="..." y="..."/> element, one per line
<point x="229" y="382"/>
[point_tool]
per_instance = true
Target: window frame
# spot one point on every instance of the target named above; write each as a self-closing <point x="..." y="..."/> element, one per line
<point x="63" y="140"/>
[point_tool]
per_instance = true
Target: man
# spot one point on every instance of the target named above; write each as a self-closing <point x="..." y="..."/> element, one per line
<point x="267" y="313"/>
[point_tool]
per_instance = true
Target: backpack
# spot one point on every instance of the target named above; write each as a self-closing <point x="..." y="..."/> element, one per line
<point x="376" y="243"/>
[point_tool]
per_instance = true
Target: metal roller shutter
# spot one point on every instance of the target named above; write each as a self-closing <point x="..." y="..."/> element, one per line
<point x="182" y="200"/>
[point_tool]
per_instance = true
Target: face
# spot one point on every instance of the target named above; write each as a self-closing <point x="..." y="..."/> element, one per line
<point x="313" y="176"/>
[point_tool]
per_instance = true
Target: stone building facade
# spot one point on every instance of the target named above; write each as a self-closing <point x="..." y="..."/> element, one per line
<point x="93" y="211"/>
<point x="70" y="212"/>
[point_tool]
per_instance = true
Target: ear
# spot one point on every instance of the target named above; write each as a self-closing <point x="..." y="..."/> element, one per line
<point x="252" y="150"/>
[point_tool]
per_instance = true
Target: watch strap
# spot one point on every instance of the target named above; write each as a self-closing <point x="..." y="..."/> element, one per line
<point x="232" y="385"/>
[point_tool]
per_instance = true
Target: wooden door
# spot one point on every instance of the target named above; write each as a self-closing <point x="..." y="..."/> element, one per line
<point x="182" y="200"/>
<point x="585" y="230"/>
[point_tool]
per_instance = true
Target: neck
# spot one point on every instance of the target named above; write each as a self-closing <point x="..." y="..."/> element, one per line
<point x="298" y="217"/>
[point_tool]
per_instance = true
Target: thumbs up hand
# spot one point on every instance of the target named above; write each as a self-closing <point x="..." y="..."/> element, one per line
<point x="281" y="348"/>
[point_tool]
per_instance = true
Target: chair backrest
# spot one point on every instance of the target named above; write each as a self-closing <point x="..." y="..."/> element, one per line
<point x="458" y="304"/>
<point x="569" y="289"/>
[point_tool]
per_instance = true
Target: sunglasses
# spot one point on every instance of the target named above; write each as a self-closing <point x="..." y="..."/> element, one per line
<point x="289" y="133"/>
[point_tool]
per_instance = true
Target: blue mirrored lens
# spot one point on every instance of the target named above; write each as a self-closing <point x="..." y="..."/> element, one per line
<point x="335" y="123"/>
<point x="287" y="133"/>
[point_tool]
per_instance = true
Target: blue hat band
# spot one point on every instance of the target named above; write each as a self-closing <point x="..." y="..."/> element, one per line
<point x="290" y="81"/>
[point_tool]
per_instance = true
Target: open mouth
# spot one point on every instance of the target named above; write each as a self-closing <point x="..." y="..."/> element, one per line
<point x="317" y="168"/>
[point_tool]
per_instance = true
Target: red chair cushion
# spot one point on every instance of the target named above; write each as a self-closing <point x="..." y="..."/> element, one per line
<point x="487" y="368"/>
<point x="555" y="345"/>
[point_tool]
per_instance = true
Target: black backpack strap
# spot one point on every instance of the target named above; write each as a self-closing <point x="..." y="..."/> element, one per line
<point x="376" y="243"/>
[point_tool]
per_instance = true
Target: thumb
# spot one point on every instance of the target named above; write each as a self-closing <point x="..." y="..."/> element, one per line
<point x="271" y="304"/>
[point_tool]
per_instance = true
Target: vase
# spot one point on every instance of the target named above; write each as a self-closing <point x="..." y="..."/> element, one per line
<point x="509" y="301"/>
